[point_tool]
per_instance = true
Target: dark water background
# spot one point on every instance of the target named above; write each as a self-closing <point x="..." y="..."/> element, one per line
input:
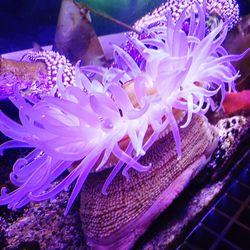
<point x="25" y="21"/>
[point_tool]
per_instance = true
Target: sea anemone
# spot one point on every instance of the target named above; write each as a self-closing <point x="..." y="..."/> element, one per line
<point x="213" y="9"/>
<point x="225" y="9"/>
<point x="121" y="116"/>
<point x="78" y="127"/>
<point x="54" y="62"/>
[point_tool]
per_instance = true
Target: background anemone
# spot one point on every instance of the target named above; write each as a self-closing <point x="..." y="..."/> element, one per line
<point x="227" y="10"/>
<point x="214" y="11"/>
<point x="122" y="115"/>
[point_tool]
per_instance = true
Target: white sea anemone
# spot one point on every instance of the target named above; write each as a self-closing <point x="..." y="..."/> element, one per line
<point x="91" y="120"/>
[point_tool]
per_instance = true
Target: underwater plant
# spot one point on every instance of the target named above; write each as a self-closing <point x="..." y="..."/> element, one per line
<point x="115" y="121"/>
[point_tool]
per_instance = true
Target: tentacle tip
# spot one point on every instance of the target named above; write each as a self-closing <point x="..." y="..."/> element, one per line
<point x="66" y="212"/>
<point x="104" y="192"/>
<point x="30" y="195"/>
<point x="149" y="165"/>
<point x="3" y="191"/>
<point x="184" y="125"/>
<point x="125" y="174"/>
<point x="142" y="152"/>
<point x="179" y="157"/>
<point x="13" y="208"/>
<point x="68" y="207"/>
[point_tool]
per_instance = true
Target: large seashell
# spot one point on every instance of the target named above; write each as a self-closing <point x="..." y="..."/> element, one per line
<point x="116" y="220"/>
